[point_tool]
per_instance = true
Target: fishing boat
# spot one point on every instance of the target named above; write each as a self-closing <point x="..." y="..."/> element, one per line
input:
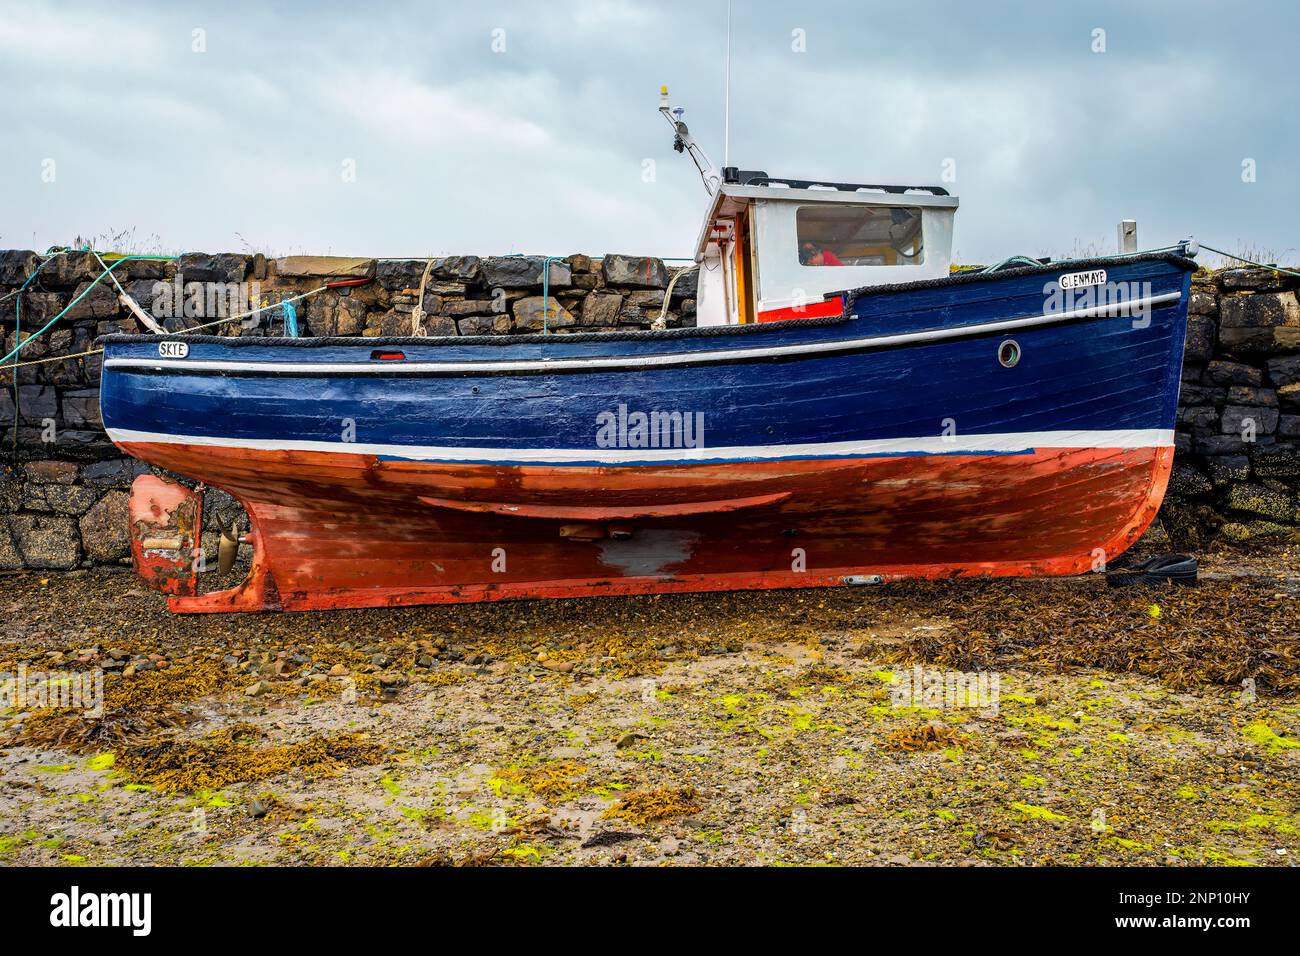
<point x="847" y="411"/>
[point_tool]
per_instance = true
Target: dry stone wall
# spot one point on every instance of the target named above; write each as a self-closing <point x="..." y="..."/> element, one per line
<point x="1237" y="466"/>
<point x="64" y="487"/>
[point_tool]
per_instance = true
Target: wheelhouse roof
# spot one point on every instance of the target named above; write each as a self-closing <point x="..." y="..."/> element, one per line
<point x="757" y="177"/>
<point x="741" y="187"/>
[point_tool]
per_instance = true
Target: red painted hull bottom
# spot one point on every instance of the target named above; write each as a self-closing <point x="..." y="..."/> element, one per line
<point x="346" y="531"/>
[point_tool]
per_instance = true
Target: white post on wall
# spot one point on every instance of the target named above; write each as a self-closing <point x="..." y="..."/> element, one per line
<point x="1128" y="235"/>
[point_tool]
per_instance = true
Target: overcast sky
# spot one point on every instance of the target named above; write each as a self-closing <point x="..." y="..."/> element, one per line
<point x="542" y="147"/>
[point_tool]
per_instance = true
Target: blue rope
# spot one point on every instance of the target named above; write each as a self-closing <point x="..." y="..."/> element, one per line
<point x="290" y="319"/>
<point x="546" y="290"/>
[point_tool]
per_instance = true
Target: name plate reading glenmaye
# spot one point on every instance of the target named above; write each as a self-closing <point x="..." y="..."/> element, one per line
<point x="1077" y="280"/>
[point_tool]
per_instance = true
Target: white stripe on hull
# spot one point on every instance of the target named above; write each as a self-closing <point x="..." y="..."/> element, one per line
<point x="1005" y="444"/>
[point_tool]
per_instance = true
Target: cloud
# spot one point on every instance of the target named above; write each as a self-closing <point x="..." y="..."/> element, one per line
<point x="460" y="146"/>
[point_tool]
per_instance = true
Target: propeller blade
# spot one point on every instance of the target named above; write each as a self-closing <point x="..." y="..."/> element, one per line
<point x="227" y="550"/>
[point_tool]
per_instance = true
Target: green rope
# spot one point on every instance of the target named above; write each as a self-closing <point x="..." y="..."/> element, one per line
<point x="1262" y="265"/>
<point x="51" y="255"/>
<point x="1027" y="260"/>
<point x="1008" y="261"/>
<point x="97" y="280"/>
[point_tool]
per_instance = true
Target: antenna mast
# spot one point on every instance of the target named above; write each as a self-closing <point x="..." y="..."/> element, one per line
<point x="684" y="143"/>
<point x="726" y="99"/>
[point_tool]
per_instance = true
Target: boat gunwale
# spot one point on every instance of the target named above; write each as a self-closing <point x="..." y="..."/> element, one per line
<point x="850" y="297"/>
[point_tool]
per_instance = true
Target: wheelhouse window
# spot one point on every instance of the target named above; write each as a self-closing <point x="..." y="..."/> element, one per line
<point x="835" y="234"/>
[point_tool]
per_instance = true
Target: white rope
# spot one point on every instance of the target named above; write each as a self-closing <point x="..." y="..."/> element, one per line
<point x="418" y="313"/>
<point x="661" y="323"/>
<point x="131" y="305"/>
<point x="45" y="361"/>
